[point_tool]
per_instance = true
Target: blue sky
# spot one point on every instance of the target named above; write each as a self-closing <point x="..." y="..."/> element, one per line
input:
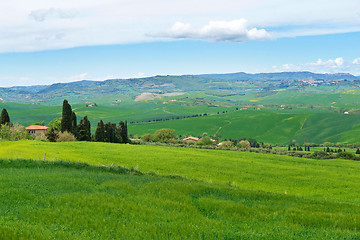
<point x="59" y="41"/>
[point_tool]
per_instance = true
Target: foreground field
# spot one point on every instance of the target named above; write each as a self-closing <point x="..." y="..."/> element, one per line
<point x="335" y="179"/>
<point x="57" y="200"/>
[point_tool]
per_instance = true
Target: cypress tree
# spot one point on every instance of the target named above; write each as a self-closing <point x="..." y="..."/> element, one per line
<point x="100" y="132"/>
<point x="74" y="127"/>
<point x="289" y="149"/>
<point x="66" y="123"/>
<point x="110" y="129"/>
<point x="84" y="133"/>
<point x="358" y="151"/>
<point x="51" y="135"/>
<point x="309" y="148"/>
<point x="123" y="132"/>
<point x="4" y="118"/>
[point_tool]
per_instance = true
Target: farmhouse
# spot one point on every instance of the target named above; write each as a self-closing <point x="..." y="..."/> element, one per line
<point x="37" y="129"/>
<point x="191" y="139"/>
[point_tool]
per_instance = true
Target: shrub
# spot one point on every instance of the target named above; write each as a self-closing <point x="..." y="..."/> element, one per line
<point x="15" y="132"/>
<point x="322" y="155"/>
<point x="147" y="138"/>
<point x="345" y="155"/>
<point x="41" y="137"/>
<point x="205" y="141"/>
<point x="244" y="144"/>
<point x="52" y="135"/>
<point x="164" y="135"/>
<point x="66" y="137"/>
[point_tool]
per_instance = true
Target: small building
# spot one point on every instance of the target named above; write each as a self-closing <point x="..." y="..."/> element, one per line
<point x="191" y="139"/>
<point x="346" y="112"/>
<point x="37" y="129"/>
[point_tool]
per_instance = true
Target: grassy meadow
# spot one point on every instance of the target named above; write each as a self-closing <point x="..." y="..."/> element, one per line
<point x="319" y="179"/>
<point x="64" y="201"/>
<point x="172" y="193"/>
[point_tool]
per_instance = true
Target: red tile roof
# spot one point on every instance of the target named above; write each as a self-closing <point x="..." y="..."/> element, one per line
<point x="36" y="127"/>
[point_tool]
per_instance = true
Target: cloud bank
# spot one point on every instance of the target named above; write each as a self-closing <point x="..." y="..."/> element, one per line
<point x="329" y="66"/>
<point x="229" y="31"/>
<point x="41" y="24"/>
<point x="41" y="15"/>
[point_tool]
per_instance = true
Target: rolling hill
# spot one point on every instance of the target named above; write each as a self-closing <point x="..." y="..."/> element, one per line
<point x="128" y="89"/>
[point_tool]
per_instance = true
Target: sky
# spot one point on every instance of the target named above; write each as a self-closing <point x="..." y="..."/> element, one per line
<point x="50" y="41"/>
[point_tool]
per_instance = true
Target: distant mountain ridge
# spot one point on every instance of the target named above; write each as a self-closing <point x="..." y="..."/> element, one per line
<point x="280" y="76"/>
<point x="86" y="90"/>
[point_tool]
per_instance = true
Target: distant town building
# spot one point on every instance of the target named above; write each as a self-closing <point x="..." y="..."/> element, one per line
<point x="91" y="105"/>
<point x="191" y="139"/>
<point x="37" y="129"/>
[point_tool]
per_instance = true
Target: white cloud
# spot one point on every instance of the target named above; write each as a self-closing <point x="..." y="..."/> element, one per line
<point x="329" y="66"/>
<point x="356" y="61"/>
<point x="231" y="31"/>
<point x="139" y="75"/>
<point x="41" y="15"/>
<point x="37" y="24"/>
<point x="77" y="77"/>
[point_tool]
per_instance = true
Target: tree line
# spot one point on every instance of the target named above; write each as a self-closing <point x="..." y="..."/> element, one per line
<point x="108" y="132"/>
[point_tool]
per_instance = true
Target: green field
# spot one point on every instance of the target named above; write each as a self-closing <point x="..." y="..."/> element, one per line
<point x="312" y="115"/>
<point x="266" y="126"/>
<point x="73" y="202"/>
<point x="184" y="193"/>
<point x="301" y="177"/>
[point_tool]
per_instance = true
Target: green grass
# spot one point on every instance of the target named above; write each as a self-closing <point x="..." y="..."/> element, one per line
<point x="316" y="124"/>
<point x="335" y="179"/>
<point x="275" y="127"/>
<point x="262" y="125"/>
<point x="220" y="194"/>
<point x="62" y="201"/>
<point x="26" y="114"/>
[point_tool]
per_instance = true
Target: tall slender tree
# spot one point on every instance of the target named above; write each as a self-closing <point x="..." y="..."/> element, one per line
<point x="66" y="123"/>
<point x="84" y="130"/>
<point x="110" y="129"/>
<point x="123" y="132"/>
<point x="100" y="132"/>
<point x="74" y="127"/>
<point x="4" y="118"/>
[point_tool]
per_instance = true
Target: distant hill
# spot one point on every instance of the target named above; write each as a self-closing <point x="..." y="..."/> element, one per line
<point x="279" y="76"/>
<point x="82" y="91"/>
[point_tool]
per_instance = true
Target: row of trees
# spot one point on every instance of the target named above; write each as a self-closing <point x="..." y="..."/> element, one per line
<point x="82" y="132"/>
<point x="108" y="132"/>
